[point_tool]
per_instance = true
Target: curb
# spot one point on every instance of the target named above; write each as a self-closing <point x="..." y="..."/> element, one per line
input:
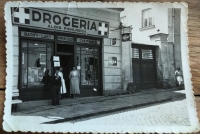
<point x="98" y="99"/>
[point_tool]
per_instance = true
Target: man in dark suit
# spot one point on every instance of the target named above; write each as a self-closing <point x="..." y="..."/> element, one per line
<point x="56" y="82"/>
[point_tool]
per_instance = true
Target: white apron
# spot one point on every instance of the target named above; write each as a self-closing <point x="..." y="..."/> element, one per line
<point x="63" y="87"/>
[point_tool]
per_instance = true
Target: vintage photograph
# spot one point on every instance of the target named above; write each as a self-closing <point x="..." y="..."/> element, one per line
<point x="122" y="66"/>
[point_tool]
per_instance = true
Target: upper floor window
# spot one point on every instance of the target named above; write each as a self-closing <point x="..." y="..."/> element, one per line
<point x="147" y="18"/>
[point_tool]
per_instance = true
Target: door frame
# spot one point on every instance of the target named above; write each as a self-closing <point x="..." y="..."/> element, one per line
<point x="140" y="60"/>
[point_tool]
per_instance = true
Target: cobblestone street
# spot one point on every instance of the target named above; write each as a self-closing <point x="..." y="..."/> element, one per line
<point x="154" y="107"/>
<point x="166" y="114"/>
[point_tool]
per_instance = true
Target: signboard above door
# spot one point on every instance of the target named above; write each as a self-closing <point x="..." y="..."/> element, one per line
<point x="39" y="18"/>
<point x="87" y="41"/>
<point x="65" y="38"/>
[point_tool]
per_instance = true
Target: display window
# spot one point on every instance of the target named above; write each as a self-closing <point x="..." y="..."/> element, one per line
<point x="35" y="61"/>
<point x="88" y="62"/>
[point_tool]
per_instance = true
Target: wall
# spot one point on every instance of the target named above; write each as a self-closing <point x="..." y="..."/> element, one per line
<point x="164" y="62"/>
<point x="174" y="34"/>
<point x="127" y="76"/>
<point x="160" y="20"/>
<point x="112" y="74"/>
<point x="15" y="57"/>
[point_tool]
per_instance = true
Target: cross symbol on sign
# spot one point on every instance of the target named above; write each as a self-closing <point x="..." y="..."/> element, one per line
<point x="103" y="28"/>
<point x="21" y="15"/>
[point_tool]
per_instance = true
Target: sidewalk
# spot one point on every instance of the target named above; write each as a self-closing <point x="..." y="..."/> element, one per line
<point x="73" y="109"/>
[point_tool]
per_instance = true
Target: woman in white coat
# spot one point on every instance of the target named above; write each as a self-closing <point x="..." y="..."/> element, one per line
<point x="74" y="82"/>
<point x="63" y="89"/>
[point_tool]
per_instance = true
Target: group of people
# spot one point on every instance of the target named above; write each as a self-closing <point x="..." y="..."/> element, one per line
<point x="57" y="83"/>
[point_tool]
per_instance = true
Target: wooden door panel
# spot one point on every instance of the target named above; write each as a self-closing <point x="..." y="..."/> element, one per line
<point x="136" y="73"/>
<point x="144" y="67"/>
<point x="148" y="74"/>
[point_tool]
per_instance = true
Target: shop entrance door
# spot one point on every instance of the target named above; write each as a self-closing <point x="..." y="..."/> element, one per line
<point x="144" y="67"/>
<point x="66" y="55"/>
<point x="66" y="62"/>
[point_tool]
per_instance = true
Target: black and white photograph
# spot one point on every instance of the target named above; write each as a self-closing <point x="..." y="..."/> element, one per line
<point x="98" y="67"/>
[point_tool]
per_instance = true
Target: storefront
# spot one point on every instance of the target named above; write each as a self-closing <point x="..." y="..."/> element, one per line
<point x="78" y="42"/>
<point x="36" y="55"/>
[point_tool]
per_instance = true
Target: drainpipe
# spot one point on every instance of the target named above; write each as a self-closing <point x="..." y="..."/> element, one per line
<point x="173" y="23"/>
<point x="122" y="78"/>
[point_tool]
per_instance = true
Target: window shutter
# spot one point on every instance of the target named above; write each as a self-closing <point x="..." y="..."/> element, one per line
<point x="147" y="54"/>
<point x="135" y="53"/>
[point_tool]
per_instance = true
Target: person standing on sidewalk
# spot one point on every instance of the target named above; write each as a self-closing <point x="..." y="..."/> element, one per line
<point x="56" y="82"/>
<point x="179" y="77"/>
<point x="46" y="81"/>
<point x="63" y="86"/>
<point x="74" y="82"/>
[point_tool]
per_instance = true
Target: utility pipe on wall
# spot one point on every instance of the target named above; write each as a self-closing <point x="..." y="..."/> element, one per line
<point x="173" y="40"/>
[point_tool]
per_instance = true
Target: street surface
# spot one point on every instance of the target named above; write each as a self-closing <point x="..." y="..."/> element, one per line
<point x="166" y="114"/>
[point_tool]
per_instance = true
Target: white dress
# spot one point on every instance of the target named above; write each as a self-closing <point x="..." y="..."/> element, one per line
<point x="63" y="87"/>
<point x="178" y="76"/>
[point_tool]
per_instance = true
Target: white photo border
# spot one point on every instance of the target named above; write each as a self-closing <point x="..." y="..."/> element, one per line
<point x="10" y="123"/>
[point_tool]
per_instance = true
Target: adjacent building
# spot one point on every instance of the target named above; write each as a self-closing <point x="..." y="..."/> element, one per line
<point x="156" y="45"/>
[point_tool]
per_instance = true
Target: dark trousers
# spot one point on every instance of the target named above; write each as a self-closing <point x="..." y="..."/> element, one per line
<point x="55" y="95"/>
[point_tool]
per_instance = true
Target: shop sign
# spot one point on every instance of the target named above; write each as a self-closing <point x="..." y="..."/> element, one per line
<point x="65" y="38"/>
<point x="39" y="18"/>
<point x="56" y="58"/>
<point x="126" y="37"/>
<point x="112" y="61"/>
<point x="88" y="41"/>
<point x="37" y="35"/>
<point x="56" y="64"/>
<point x="56" y="61"/>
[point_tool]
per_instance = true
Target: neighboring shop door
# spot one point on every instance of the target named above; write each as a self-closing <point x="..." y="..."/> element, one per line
<point x="144" y="67"/>
<point x="88" y="63"/>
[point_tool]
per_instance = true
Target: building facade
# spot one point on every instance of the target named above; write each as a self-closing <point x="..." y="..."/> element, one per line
<point x="156" y="45"/>
<point x="79" y="37"/>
